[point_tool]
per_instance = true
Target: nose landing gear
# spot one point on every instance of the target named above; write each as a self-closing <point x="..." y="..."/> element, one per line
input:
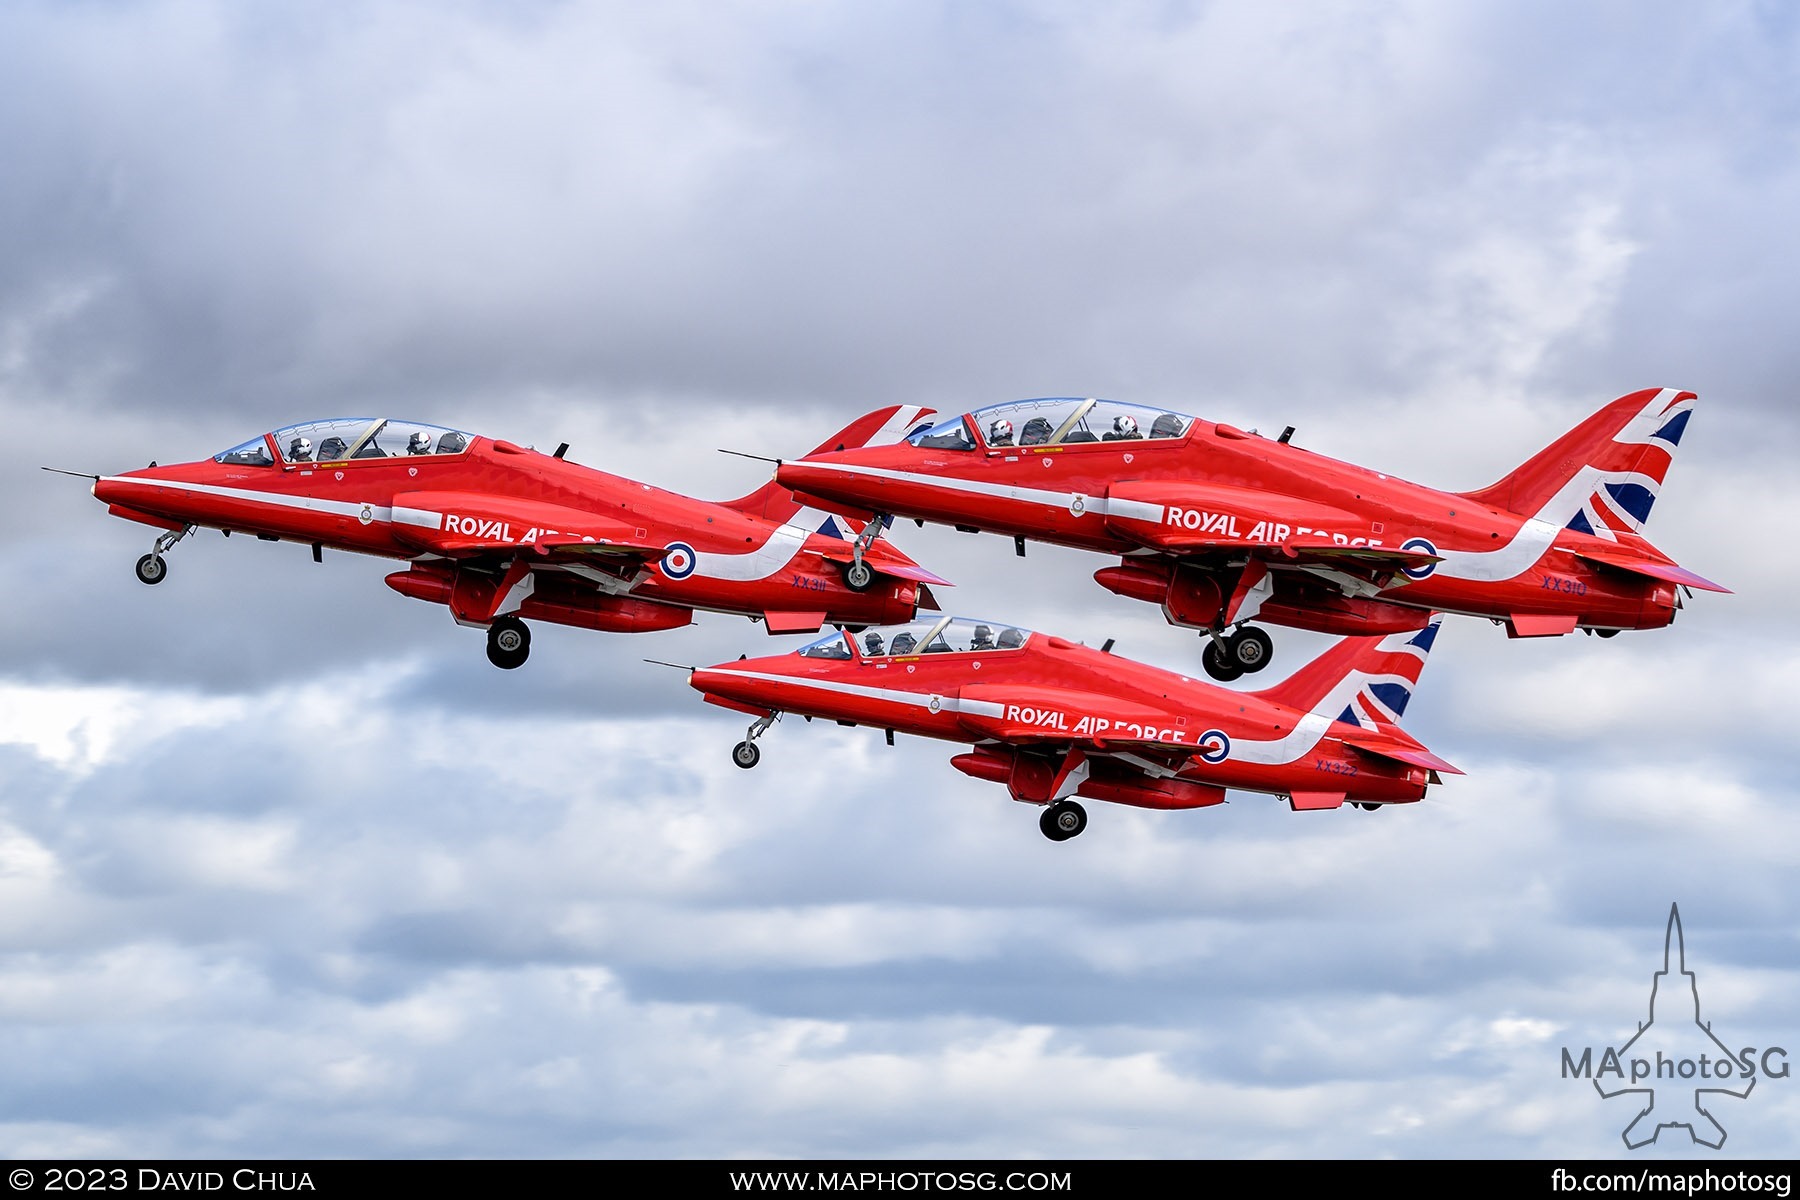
<point x="745" y="754"/>
<point x="151" y="568"/>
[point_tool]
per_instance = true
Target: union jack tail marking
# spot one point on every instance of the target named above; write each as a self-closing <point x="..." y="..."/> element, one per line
<point x="1366" y="681"/>
<point x="1603" y="476"/>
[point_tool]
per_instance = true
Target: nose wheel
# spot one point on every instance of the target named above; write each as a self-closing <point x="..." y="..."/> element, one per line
<point x="1063" y="820"/>
<point x="508" y="643"/>
<point x="745" y="754"/>
<point x="151" y="568"/>
<point x="1232" y="656"/>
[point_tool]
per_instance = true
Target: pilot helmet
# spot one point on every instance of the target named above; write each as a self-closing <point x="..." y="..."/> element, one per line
<point x="1000" y="431"/>
<point x="1125" y="425"/>
<point x="419" y="443"/>
<point x="452" y="443"/>
<point x="872" y="643"/>
<point x="300" y="449"/>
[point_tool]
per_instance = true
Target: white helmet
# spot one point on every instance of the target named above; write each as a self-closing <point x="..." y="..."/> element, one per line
<point x="419" y="443"/>
<point x="300" y="449"/>
<point x="1000" y="431"/>
<point x="1125" y="425"/>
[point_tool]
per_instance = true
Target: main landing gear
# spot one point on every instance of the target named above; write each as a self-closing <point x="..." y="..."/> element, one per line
<point x="1230" y="656"/>
<point x="858" y="577"/>
<point x="745" y="754"/>
<point x="1063" y="820"/>
<point x="151" y="568"/>
<point x="508" y="643"/>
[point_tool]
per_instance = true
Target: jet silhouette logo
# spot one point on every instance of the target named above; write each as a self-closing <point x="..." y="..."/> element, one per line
<point x="1674" y="1063"/>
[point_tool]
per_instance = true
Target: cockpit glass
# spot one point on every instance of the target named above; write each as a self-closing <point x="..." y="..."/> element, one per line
<point x="941" y="635"/>
<point x="830" y="646"/>
<point x="1070" y="420"/>
<point x="343" y="439"/>
<point x="945" y="435"/>
<point x="253" y="453"/>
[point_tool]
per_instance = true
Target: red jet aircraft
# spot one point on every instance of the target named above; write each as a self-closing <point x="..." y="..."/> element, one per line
<point x="1053" y="720"/>
<point x="1220" y="526"/>
<point x="500" y="533"/>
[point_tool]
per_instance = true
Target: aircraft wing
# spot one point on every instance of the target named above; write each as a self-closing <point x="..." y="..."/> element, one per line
<point x="475" y="525"/>
<point x="1068" y="717"/>
<point x="1190" y="519"/>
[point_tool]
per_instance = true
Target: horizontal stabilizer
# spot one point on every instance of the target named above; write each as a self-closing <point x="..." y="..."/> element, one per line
<point x="1413" y="755"/>
<point x="1668" y="572"/>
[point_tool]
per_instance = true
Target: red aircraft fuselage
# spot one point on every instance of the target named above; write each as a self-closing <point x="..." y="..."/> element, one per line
<point x="499" y="533"/>
<point x="1052" y="719"/>
<point x="1220" y="526"/>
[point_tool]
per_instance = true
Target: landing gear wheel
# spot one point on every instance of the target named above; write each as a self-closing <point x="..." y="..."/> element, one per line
<point x="152" y="569"/>
<point x="1366" y="806"/>
<point x="1597" y="632"/>
<point x="858" y="577"/>
<point x="746" y="755"/>
<point x="1251" y="648"/>
<point x="1063" y="820"/>
<point x="1218" y="665"/>
<point x="508" y="643"/>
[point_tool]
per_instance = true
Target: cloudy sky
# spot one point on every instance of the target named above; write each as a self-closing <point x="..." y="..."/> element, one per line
<point x="287" y="868"/>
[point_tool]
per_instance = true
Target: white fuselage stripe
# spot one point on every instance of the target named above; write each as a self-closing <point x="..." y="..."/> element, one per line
<point x="984" y="708"/>
<point x="341" y="508"/>
<point x="1097" y="505"/>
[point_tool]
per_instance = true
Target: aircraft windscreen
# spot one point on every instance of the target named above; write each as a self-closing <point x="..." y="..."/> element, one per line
<point x="253" y="453"/>
<point x="942" y="635"/>
<point x="830" y="646"/>
<point x="945" y="435"/>
<point x="343" y="439"/>
<point x="1069" y="420"/>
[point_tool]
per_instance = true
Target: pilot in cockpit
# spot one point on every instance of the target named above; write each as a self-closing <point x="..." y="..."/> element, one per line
<point x="419" y="443"/>
<point x="1125" y="429"/>
<point x="983" y="638"/>
<point x="1000" y="433"/>
<point x="300" y="450"/>
<point x="872" y="643"/>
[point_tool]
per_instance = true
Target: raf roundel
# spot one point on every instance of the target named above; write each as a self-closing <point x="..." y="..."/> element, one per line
<point x="679" y="562"/>
<point x="1419" y="572"/>
<point x="1214" y="746"/>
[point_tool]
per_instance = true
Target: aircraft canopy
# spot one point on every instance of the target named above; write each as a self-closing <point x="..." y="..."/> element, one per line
<point x="928" y="635"/>
<point x="1052" y="421"/>
<point x="342" y="439"/>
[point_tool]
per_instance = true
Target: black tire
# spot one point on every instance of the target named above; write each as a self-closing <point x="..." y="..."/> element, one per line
<point x="1367" y="806"/>
<point x="508" y="643"/>
<point x="1217" y="665"/>
<point x="746" y="755"/>
<point x="858" y="577"/>
<point x="1606" y="633"/>
<point x="1063" y="820"/>
<point x="1252" y="648"/>
<point x="152" y="569"/>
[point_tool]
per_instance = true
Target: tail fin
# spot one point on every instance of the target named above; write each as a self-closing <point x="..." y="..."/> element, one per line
<point x="884" y="425"/>
<point x="1602" y="476"/>
<point x="1363" y="681"/>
